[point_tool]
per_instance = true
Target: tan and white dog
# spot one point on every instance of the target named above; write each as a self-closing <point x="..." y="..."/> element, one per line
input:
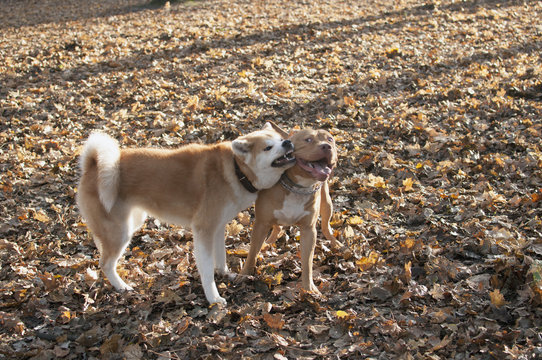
<point x="200" y="186"/>
<point x="300" y="196"/>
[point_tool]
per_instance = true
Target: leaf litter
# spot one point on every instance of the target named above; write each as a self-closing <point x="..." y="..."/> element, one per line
<point x="435" y="106"/>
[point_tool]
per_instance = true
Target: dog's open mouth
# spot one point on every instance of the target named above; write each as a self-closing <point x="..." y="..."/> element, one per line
<point x="320" y="169"/>
<point x="284" y="160"/>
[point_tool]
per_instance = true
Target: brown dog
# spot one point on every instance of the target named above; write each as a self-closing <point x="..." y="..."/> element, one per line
<point x="301" y="194"/>
<point x="201" y="186"/>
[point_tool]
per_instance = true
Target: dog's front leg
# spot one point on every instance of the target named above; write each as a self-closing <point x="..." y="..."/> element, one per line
<point x="205" y="262"/>
<point x="256" y="241"/>
<point x="308" y="243"/>
<point x="326" y="209"/>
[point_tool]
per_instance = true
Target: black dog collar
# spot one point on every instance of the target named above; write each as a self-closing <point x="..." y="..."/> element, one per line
<point x="243" y="178"/>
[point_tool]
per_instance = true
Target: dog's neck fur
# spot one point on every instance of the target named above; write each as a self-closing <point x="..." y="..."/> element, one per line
<point x="298" y="181"/>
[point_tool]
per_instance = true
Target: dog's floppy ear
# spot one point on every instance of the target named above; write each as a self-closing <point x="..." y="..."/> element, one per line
<point x="241" y="147"/>
<point x="272" y="126"/>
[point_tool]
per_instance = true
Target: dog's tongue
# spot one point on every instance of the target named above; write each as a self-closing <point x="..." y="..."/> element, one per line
<point x="318" y="169"/>
<point x="322" y="167"/>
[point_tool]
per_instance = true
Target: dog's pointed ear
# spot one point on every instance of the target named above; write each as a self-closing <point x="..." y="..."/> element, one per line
<point x="272" y="126"/>
<point x="241" y="147"/>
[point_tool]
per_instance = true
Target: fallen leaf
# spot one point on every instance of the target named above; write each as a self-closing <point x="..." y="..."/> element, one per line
<point x="274" y="321"/>
<point x="41" y="216"/>
<point x="407" y="184"/>
<point x="366" y="263"/>
<point x="497" y="298"/>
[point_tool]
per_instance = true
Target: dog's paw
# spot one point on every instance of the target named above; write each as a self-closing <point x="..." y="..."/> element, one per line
<point x="241" y="278"/>
<point x="311" y="288"/>
<point x="231" y="276"/>
<point x="218" y="300"/>
<point x="247" y="271"/>
<point x="122" y="287"/>
<point x="225" y="272"/>
<point x="222" y="270"/>
<point x="336" y="245"/>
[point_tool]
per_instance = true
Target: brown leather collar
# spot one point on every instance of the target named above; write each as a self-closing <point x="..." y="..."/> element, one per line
<point x="243" y="178"/>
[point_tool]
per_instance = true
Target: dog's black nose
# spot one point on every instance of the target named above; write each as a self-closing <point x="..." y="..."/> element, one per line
<point x="326" y="147"/>
<point x="287" y="144"/>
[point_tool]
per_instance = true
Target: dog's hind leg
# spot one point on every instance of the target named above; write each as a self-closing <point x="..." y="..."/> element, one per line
<point x="308" y="243"/>
<point x="137" y="219"/>
<point x="219" y="252"/>
<point x="114" y="236"/>
<point x="118" y="235"/>
<point x="110" y="255"/>
<point x="275" y="233"/>
<point x="205" y="262"/>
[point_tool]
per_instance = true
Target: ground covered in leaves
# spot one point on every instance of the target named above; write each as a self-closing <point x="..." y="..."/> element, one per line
<point x="436" y="107"/>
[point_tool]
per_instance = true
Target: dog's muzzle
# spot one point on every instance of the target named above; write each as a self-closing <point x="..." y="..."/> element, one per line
<point x="287" y="145"/>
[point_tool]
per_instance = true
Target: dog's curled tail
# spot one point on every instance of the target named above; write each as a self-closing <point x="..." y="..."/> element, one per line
<point x="102" y="151"/>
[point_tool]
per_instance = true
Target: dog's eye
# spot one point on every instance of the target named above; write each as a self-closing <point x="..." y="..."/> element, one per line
<point x="268" y="148"/>
<point x="309" y="140"/>
<point x="330" y="139"/>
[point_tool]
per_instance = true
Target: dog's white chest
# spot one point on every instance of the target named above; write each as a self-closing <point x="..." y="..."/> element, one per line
<point x="293" y="209"/>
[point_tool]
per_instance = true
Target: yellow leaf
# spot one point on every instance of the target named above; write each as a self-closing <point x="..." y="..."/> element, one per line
<point x="392" y="52"/>
<point x="41" y="216"/>
<point x="65" y="317"/>
<point x="138" y="253"/>
<point x="408" y="244"/>
<point x="258" y="61"/>
<point x="336" y="220"/>
<point x="239" y="252"/>
<point x="365" y="263"/>
<point x="407" y="183"/>
<point x="341" y="314"/>
<point x="497" y="298"/>
<point x="375" y="181"/>
<point x="273" y="279"/>
<point x="278" y="278"/>
<point x="354" y="220"/>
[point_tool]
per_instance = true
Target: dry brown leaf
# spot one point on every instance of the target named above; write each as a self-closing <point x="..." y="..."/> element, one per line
<point x="497" y="298"/>
<point x="274" y="321"/>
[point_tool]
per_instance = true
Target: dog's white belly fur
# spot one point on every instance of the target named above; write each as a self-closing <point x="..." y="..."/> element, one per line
<point x="293" y="209"/>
